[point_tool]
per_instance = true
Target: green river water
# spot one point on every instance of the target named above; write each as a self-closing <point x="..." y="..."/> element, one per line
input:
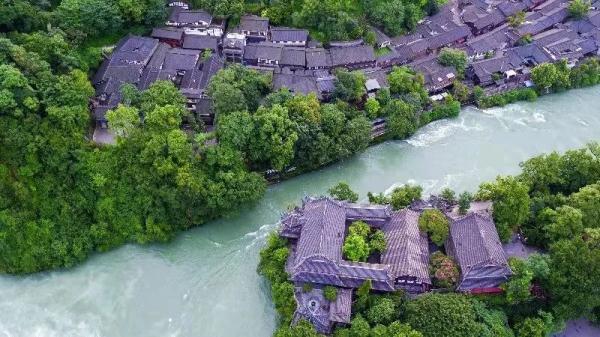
<point x="204" y="284"/>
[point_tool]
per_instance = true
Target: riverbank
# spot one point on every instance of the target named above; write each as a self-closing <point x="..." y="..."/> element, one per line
<point x="204" y="283"/>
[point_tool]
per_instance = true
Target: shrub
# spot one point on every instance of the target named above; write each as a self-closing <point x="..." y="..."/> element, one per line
<point x="443" y="315"/>
<point x="464" y="202"/>
<point x="453" y="57"/>
<point x="356" y="248"/>
<point x="330" y="293"/>
<point x="382" y="312"/>
<point x="342" y="191"/>
<point x="511" y="96"/>
<point x="377" y="242"/>
<point x="578" y="9"/>
<point x="434" y="223"/>
<point x="448" y="194"/>
<point x="444" y="271"/>
<point x="405" y="195"/>
<point x="360" y="228"/>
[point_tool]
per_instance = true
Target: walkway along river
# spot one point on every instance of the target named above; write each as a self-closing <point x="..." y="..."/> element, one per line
<point x="204" y="283"/>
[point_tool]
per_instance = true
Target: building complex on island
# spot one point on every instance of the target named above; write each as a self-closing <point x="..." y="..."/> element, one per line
<point x="316" y="232"/>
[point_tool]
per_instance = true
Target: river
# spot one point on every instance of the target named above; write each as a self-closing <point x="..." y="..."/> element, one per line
<point x="204" y="284"/>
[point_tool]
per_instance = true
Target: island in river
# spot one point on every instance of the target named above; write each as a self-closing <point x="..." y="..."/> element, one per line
<point x="204" y="283"/>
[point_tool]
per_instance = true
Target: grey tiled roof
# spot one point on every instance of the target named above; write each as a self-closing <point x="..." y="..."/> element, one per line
<point x="352" y="55"/>
<point x="380" y="36"/>
<point x="543" y="22"/>
<point x="323" y="232"/>
<point x="314" y="308"/>
<point x="125" y="65"/>
<point x="407" y="252"/>
<point x="509" y="8"/>
<point x="297" y="83"/>
<point x="485" y="68"/>
<point x="340" y="309"/>
<point x="317" y="255"/>
<point x="318" y="58"/>
<point x="200" y="42"/>
<point x="182" y="16"/>
<point x="283" y="34"/>
<point x="435" y="74"/>
<point x="449" y="37"/>
<point x="476" y="247"/>
<point x="263" y="50"/>
<point x="181" y="59"/>
<point x="292" y="56"/>
<point x="254" y="23"/>
<point x="167" y="33"/>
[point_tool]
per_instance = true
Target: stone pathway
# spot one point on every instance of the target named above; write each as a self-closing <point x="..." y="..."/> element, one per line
<point x="516" y="248"/>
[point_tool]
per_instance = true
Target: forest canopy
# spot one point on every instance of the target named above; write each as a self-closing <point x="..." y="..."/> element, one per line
<point x="61" y="196"/>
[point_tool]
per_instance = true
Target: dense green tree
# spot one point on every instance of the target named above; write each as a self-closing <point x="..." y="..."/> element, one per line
<point x="372" y="107"/>
<point x="360" y="228"/>
<point x="516" y="19"/>
<point x="382" y="312"/>
<point x="443" y="315"/>
<point x="362" y="296"/>
<point x="544" y="76"/>
<point x="349" y="85"/>
<point x="235" y="130"/>
<point x="566" y="173"/>
<point x="237" y="88"/>
<point x="397" y="329"/>
<point x="464" y="202"/>
<point x="461" y="92"/>
<point x="405" y="195"/>
<point x="22" y="16"/>
<point x="448" y="194"/>
<point x="567" y="224"/>
<point x="123" y="120"/>
<point x="587" y="200"/>
<point x="52" y="47"/>
<point x="456" y="58"/>
<point x="81" y="18"/>
<point x="574" y="267"/>
<point x="540" y="326"/>
<point x="402" y="121"/>
<point x="511" y="203"/>
<point x="551" y="76"/>
<point x="586" y="73"/>
<point x="272" y="259"/>
<point x="435" y="224"/>
<point x="448" y="108"/>
<point x="578" y="9"/>
<point x="387" y="14"/>
<point x="377" y="241"/>
<point x="356" y="248"/>
<point x="494" y="323"/>
<point x="342" y="191"/>
<point x="304" y="109"/>
<point x="517" y="289"/>
<point x="404" y="81"/>
<point x="301" y="329"/>
<point x="272" y="145"/>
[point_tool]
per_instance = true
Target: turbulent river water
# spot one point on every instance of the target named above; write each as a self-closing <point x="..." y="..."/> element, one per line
<point x="204" y="283"/>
